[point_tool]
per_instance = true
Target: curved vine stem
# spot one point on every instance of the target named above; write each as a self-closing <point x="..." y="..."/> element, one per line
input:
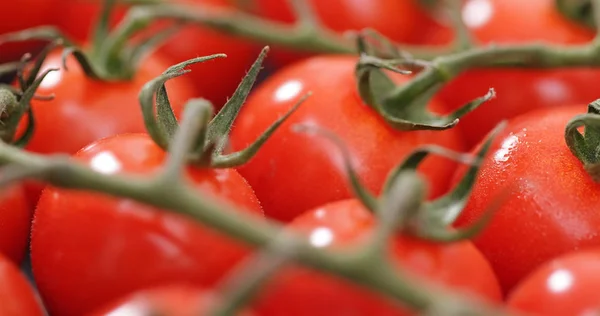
<point x="182" y="198"/>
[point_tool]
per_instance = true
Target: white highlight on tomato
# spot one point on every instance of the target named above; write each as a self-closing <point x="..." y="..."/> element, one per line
<point x="502" y="154"/>
<point x="105" y="162"/>
<point x="321" y="237"/>
<point x="51" y="80"/>
<point x="477" y="13"/>
<point x="288" y="91"/>
<point x="560" y="281"/>
<point x="130" y="309"/>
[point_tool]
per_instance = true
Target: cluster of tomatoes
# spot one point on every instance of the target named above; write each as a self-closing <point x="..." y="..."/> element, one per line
<point x="93" y="254"/>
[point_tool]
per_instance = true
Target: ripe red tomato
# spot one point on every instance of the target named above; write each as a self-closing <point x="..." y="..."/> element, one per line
<point x="343" y="224"/>
<point x="213" y="80"/>
<point x="518" y="90"/>
<point x="19" y="15"/>
<point x="85" y="110"/>
<point x="554" y="209"/>
<point x="398" y="20"/>
<point x="293" y="173"/>
<point x="83" y="17"/>
<point x="172" y="300"/>
<point x="111" y="247"/>
<point x="15" y="222"/>
<point x="17" y="297"/>
<point x="569" y="285"/>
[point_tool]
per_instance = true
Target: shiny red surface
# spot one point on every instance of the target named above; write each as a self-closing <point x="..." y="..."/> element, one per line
<point x="553" y="206"/>
<point x="569" y="285"/>
<point x="295" y="172"/>
<point x="111" y="247"/>
<point x="15" y="222"/>
<point x="299" y="291"/>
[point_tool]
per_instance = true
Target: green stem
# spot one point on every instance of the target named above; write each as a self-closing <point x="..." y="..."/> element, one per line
<point x="259" y="232"/>
<point x="586" y="147"/>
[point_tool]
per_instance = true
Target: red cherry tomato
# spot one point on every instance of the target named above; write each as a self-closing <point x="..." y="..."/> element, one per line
<point x="518" y="90"/>
<point x="172" y="300"/>
<point x="15" y="222"/>
<point x="111" y="247"/>
<point x="554" y="208"/>
<point x="293" y="172"/>
<point x="569" y="285"/>
<point x="213" y="80"/>
<point x="343" y="224"/>
<point x="85" y="110"/>
<point x="398" y="20"/>
<point x="20" y="15"/>
<point x="17" y="297"/>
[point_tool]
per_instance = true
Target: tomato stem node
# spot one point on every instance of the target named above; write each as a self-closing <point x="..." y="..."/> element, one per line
<point x="586" y="147"/>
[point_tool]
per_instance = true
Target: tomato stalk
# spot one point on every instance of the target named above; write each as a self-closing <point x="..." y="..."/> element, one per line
<point x="580" y="11"/>
<point x="586" y="147"/>
<point x="402" y="205"/>
<point x="181" y="198"/>
<point x="211" y="138"/>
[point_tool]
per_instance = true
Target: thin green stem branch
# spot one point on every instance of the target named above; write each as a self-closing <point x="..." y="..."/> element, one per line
<point x="255" y="231"/>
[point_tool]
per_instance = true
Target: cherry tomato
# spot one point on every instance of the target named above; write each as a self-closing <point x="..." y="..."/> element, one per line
<point x="398" y="20"/>
<point x="213" y="80"/>
<point x="111" y="247"/>
<point x="20" y="15"/>
<point x="17" y="297"/>
<point x="552" y="209"/>
<point x="172" y="300"/>
<point x="343" y="224"/>
<point x="568" y="285"/>
<point x="15" y="222"/>
<point x="292" y="172"/>
<point x="518" y="90"/>
<point x="85" y="110"/>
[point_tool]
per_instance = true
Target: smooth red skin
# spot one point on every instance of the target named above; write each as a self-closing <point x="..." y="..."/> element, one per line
<point x="172" y="300"/>
<point x="295" y="172"/>
<point x="17" y="297"/>
<point x="519" y="90"/>
<point x="299" y="291"/>
<point x="212" y="80"/>
<point x="15" y="222"/>
<point x="83" y="17"/>
<point x="88" y="249"/>
<point x="19" y="15"/>
<point x="398" y="20"/>
<point x="85" y="110"/>
<point x="553" y="208"/>
<point x="538" y="294"/>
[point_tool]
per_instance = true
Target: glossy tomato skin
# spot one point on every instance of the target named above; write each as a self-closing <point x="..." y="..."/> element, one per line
<point x="344" y="224"/>
<point x="518" y="90"/>
<point x="172" y="300"/>
<point x="111" y="247"/>
<point x="553" y="206"/>
<point x="20" y="15"/>
<point x="295" y="172"/>
<point x="15" y="222"/>
<point x="568" y="285"/>
<point x="85" y="110"/>
<point x="397" y="20"/>
<point x="17" y="297"/>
